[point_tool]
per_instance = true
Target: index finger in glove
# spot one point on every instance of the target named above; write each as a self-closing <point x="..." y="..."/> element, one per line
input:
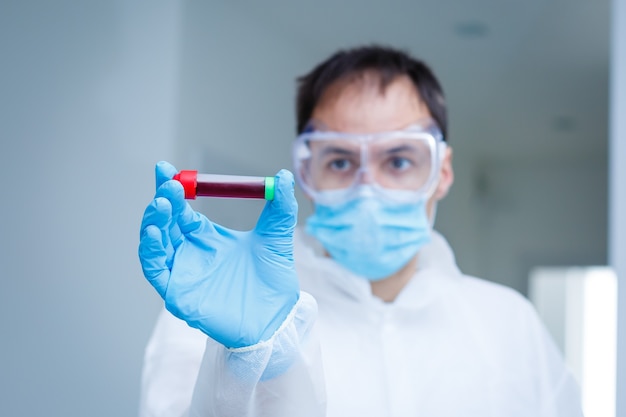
<point x="158" y="213"/>
<point x="191" y="223"/>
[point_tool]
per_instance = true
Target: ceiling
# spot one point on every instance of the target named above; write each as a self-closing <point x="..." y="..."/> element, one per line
<point x="523" y="79"/>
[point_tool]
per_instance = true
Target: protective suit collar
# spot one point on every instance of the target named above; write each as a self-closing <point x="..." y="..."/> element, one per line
<point x="323" y="277"/>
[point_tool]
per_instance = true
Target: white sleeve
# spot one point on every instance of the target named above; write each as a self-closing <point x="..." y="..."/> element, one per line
<point x="566" y="398"/>
<point x="560" y="392"/>
<point x="189" y="374"/>
<point x="281" y="377"/>
<point x="563" y="394"/>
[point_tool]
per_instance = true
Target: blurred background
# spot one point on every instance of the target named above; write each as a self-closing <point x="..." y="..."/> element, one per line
<point x="92" y="94"/>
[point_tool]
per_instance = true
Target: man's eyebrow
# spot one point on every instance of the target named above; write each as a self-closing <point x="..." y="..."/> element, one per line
<point x="337" y="150"/>
<point x="400" y="148"/>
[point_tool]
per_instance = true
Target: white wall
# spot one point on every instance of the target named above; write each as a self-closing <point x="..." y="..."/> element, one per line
<point x="527" y="212"/>
<point x="87" y="105"/>
<point x="617" y="209"/>
<point x="237" y="100"/>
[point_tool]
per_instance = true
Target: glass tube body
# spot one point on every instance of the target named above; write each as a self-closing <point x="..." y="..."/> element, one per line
<point x="230" y="186"/>
<point x="226" y="186"/>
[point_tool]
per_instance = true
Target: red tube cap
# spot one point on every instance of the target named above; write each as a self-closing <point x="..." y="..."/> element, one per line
<point x="188" y="179"/>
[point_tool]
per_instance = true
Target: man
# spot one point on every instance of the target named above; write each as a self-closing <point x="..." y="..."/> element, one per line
<point x="362" y="313"/>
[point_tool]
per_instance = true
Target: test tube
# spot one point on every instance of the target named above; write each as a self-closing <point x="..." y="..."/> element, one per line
<point x="228" y="186"/>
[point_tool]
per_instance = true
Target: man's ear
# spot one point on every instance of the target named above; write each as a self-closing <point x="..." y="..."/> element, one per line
<point x="446" y="176"/>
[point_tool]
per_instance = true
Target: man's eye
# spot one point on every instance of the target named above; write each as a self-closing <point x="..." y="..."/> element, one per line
<point x="340" y="165"/>
<point x="399" y="163"/>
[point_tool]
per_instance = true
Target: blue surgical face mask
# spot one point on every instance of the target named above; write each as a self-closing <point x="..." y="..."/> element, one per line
<point x="370" y="236"/>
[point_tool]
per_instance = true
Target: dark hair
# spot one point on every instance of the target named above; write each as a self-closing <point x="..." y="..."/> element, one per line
<point x="387" y="63"/>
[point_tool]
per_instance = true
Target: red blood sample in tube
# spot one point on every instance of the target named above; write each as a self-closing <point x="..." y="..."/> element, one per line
<point x="228" y="186"/>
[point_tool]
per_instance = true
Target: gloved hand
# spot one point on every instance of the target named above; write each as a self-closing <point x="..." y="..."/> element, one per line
<point x="237" y="287"/>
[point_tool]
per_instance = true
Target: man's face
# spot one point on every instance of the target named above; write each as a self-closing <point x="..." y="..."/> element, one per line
<point x="360" y="106"/>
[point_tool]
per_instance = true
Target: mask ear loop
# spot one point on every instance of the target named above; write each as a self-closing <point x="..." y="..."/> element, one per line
<point x="433" y="215"/>
<point x="441" y="151"/>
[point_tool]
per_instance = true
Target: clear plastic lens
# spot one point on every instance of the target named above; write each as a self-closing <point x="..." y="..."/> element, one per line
<point x="335" y="165"/>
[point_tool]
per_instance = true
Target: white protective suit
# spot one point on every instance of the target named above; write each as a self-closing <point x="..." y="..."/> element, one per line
<point x="450" y="345"/>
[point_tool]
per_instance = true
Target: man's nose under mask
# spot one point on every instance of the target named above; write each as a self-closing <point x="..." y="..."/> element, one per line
<point x="369" y="236"/>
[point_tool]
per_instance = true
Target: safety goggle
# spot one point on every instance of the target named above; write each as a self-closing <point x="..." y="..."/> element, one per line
<point x="401" y="165"/>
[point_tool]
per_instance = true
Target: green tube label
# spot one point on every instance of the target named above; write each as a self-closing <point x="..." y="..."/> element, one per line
<point x="269" y="188"/>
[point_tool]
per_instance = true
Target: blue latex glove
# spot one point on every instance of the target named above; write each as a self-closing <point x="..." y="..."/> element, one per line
<point x="237" y="287"/>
